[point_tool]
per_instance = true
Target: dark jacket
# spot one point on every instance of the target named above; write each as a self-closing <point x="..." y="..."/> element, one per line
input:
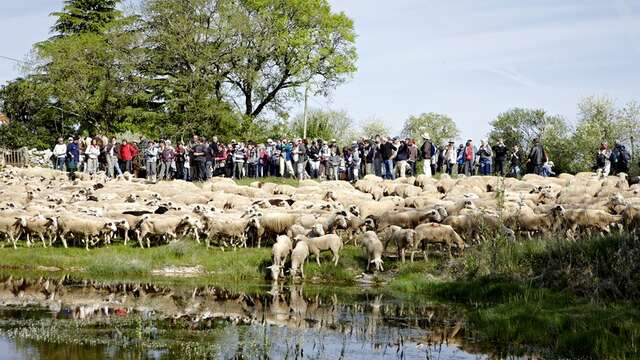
<point x="537" y="155"/>
<point x="427" y="150"/>
<point x="500" y="151"/>
<point x="386" y="150"/>
<point x="403" y="152"/>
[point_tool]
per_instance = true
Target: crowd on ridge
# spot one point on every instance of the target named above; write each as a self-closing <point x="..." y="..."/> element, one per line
<point x="201" y="158"/>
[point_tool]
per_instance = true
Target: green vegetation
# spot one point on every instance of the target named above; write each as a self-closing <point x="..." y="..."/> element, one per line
<point x="174" y="67"/>
<point x="440" y="127"/>
<point x="272" y="179"/>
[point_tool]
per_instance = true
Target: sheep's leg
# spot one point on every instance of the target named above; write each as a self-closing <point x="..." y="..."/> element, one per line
<point x="318" y="257"/>
<point x="302" y="269"/>
<point x="368" y="261"/>
<point x="380" y="264"/>
<point x="140" y="237"/>
<point x="413" y="253"/>
<point x="13" y="240"/>
<point x="336" y="257"/>
<point x="126" y="237"/>
<point x="86" y="241"/>
<point x="64" y="241"/>
<point x="44" y="244"/>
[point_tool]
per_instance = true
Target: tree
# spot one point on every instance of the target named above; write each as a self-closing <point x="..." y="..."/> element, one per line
<point x="600" y="121"/>
<point x="520" y="126"/>
<point x="372" y="127"/>
<point x="277" y="46"/>
<point x="83" y="16"/>
<point x="440" y="127"/>
<point x="326" y="125"/>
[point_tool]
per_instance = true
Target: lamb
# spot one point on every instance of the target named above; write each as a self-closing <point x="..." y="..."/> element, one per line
<point x="280" y="250"/>
<point x="297" y="229"/>
<point x="327" y="242"/>
<point x="403" y="238"/>
<point x="436" y="234"/>
<point x="530" y="222"/>
<point x="235" y="229"/>
<point x="373" y="247"/>
<point x="298" y="257"/>
<point x="271" y="224"/>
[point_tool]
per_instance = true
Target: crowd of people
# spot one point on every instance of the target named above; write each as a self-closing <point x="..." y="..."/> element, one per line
<point x="202" y="158"/>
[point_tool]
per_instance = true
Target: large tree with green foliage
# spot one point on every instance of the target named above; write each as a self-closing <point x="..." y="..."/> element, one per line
<point x="85" y="16"/>
<point x="601" y="121"/>
<point x="520" y="126"/>
<point x="441" y="128"/>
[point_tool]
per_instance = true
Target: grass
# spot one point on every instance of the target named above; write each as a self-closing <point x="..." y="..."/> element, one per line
<point x="271" y="179"/>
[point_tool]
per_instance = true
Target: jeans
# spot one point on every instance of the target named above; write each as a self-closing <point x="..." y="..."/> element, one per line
<point x="388" y="170"/>
<point x="151" y="166"/>
<point x="500" y="167"/>
<point x="468" y="168"/>
<point x="300" y="169"/>
<point x="209" y="169"/>
<point x="165" y="170"/>
<point x="485" y="167"/>
<point x="112" y="163"/>
<point x="200" y="170"/>
<point x="60" y="163"/>
<point x="92" y="165"/>
<point x="515" y="171"/>
<point x="238" y="169"/>
<point x="127" y="166"/>
<point x="355" y="173"/>
<point x="315" y="168"/>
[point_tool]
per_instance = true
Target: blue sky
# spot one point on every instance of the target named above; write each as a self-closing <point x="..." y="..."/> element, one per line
<point x="468" y="59"/>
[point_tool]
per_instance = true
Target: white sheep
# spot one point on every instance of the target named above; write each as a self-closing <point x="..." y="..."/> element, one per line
<point x="298" y="257"/>
<point x="373" y="247"/>
<point x="280" y="250"/>
<point x="331" y="242"/>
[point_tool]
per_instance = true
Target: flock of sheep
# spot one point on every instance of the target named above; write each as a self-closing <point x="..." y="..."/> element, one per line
<point x="410" y="213"/>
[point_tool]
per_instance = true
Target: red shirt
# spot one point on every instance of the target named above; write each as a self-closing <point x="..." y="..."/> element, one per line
<point x="127" y="152"/>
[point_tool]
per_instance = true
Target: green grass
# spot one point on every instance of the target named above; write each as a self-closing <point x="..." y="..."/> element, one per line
<point x="272" y="179"/>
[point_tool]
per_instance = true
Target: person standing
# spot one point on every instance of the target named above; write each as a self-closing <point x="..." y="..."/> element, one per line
<point x="151" y="160"/>
<point x="92" y="152"/>
<point x="514" y="162"/>
<point x="469" y="158"/>
<point x="300" y="158"/>
<point x="603" y="159"/>
<point x="73" y="155"/>
<point x="413" y="156"/>
<point x="401" y="158"/>
<point x="127" y="154"/>
<point x="355" y="162"/>
<point x="239" y="157"/>
<point x="199" y="160"/>
<point x="60" y="154"/>
<point x="484" y="155"/>
<point x="325" y="153"/>
<point x="387" y="150"/>
<point x="500" y="150"/>
<point x="111" y="154"/>
<point x="620" y="159"/>
<point x="167" y="160"/>
<point x="427" y="151"/>
<point x="537" y="157"/>
<point x="450" y="157"/>
<point x="314" y="160"/>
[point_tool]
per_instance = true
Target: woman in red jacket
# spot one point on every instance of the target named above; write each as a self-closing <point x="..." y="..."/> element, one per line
<point x="127" y="153"/>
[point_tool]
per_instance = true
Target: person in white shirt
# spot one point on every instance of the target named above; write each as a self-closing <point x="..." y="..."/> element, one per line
<point x="92" y="152"/>
<point x="60" y="153"/>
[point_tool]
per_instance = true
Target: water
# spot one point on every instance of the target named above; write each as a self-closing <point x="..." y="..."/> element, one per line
<point x="49" y="319"/>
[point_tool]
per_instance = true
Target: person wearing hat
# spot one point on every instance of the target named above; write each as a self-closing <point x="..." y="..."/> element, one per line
<point x="427" y="151"/>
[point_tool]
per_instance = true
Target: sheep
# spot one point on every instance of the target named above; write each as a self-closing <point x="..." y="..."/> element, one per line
<point x="11" y="226"/>
<point x="436" y="234"/>
<point x="373" y="247"/>
<point x="235" y="229"/>
<point x="83" y="226"/>
<point x="588" y="219"/>
<point x="271" y="224"/>
<point x="39" y="225"/>
<point x="280" y="250"/>
<point x="297" y="229"/>
<point x="298" y="257"/>
<point x="163" y="225"/>
<point x="403" y="238"/>
<point x="406" y="218"/>
<point x="327" y="242"/>
<point x="530" y="222"/>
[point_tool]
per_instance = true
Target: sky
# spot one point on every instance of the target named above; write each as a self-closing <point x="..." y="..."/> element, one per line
<point x="468" y="59"/>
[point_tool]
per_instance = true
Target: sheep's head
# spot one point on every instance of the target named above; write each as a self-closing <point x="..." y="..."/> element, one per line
<point x="355" y="210"/>
<point x="318" y="229"/>
<point x="110" y="226"/>
<point x="275" y="271"/>
<point x="341" y="222"/>
<point x="254" y="222"/>
<point x="558" y="211"/>
<point x="22" y="221"/>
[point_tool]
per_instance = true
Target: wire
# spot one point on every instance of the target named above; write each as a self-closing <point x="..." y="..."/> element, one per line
<point x="12" y="59"/>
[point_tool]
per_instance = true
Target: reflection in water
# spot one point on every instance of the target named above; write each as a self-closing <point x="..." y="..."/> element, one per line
<point x="63" y="319"/>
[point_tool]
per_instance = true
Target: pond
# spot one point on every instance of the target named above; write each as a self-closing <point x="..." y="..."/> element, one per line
<point x="78" y="319"/>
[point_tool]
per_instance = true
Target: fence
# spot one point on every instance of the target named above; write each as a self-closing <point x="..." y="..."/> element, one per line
<point x="17" y="158"/>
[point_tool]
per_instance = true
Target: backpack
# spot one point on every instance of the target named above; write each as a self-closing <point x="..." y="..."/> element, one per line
<point x="625" y="158"/>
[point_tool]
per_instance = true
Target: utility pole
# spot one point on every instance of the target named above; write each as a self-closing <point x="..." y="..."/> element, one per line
<point x="306" y="100"/>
